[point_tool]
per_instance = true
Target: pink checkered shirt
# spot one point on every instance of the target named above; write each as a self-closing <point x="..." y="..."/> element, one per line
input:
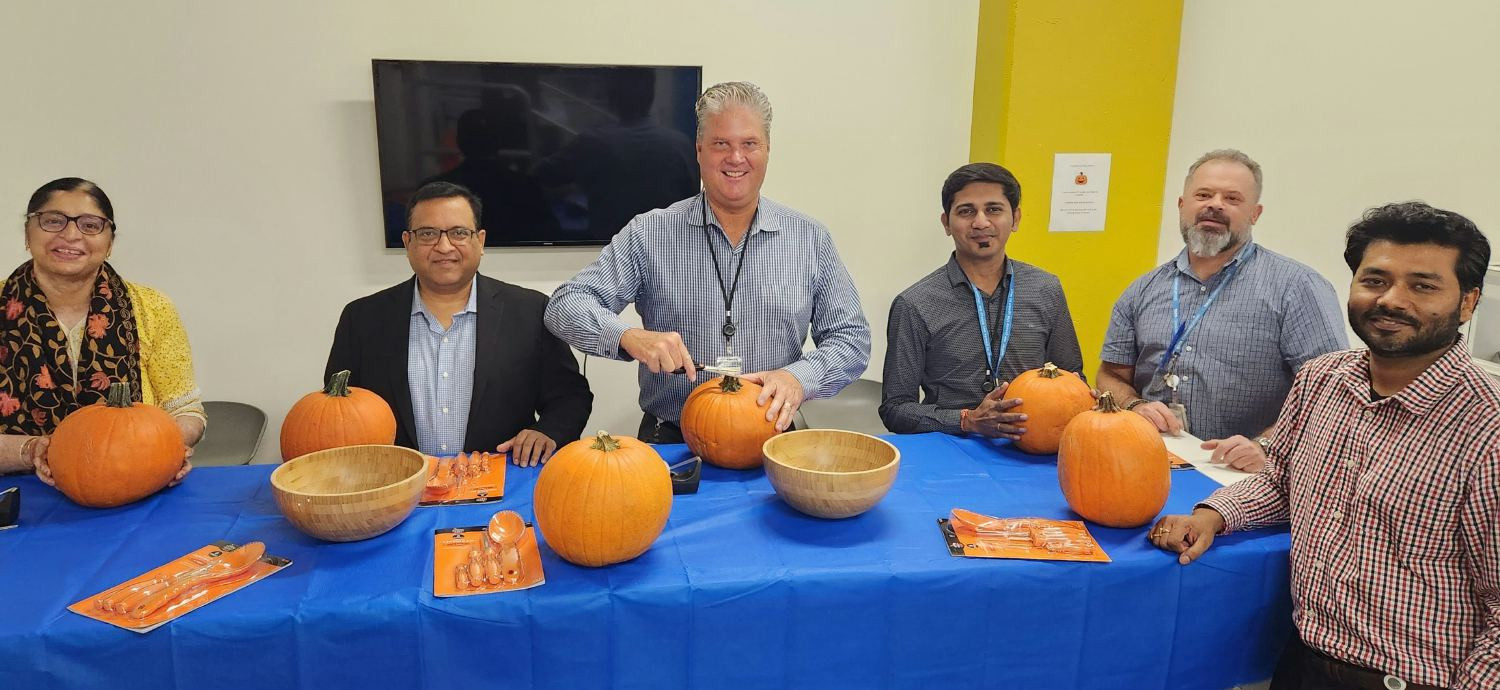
<point x="1394" y="508"/>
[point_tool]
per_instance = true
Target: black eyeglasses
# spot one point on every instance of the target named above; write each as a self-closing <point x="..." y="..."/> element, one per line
<point x="56" y="221"/>
<point x="430" y="235"/>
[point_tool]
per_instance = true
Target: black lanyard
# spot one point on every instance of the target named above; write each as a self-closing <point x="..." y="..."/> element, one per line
<point x="728" y="292"/>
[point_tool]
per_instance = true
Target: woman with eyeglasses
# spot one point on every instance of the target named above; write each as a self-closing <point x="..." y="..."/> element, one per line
<point x="70" y="325"/>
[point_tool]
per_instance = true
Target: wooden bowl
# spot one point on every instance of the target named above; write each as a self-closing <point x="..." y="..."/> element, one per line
<point x="350" y="493"/>
<point x="830" y="473"/>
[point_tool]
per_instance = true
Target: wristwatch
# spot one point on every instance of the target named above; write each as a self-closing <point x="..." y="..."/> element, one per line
<point x="1265" y="445"/>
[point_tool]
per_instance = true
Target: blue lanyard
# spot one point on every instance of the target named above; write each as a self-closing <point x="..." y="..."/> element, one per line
<point x="990" y="359"/>
<point x="1186" y="327"/>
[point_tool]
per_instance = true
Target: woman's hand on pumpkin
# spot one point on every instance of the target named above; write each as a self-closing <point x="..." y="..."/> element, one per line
<point x="182" y="472"/>
<point x="38" y="456"/>
<point x="782" y="390"/>
<point x="660" y="352"/>
<point x="528" y="448"/>
<point x="1188" y="536"/>
<point x="1159" y="414"/>
<point x="1237" y="452"/>
<point x="991" y="420"/>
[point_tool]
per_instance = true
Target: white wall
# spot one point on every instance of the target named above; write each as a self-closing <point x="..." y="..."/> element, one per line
<point x="1346" y="104"/>
<point x="237" y="142"/>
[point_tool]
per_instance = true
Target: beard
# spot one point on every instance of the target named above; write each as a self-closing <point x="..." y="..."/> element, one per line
<point x="1205" y="243"/>
<point x="1427" y="339"/>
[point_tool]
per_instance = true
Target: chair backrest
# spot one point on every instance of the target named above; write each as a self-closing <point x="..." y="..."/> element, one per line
<point x="233" y="433"/>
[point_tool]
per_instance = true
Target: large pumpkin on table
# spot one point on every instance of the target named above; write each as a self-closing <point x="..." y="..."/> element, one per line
<point x="1050" y="398"/>
<point x="1112" y="465"/>
<point x="337" y="416"/>
<point x="602" y="500"/>
<point x="722" y="424"/>
<point x="115" y="452"/>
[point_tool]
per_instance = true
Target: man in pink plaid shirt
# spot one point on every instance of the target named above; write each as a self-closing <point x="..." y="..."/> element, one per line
<point x="1386" y="464"/>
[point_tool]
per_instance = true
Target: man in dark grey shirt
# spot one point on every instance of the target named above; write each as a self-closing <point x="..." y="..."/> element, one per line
<point x="937" y="343"/>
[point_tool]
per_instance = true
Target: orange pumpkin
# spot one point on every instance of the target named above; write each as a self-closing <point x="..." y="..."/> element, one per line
<point x="115" y="452"/>
<point x="722" y="424"/>
<point x="1050" y="398"/>
<point x="602" y="500"/>
<point x="1112" y="466"/>
<point x="337" y="416"/>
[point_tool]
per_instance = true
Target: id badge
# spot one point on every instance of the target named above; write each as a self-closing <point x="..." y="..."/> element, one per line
<point x="1180" y="411"/>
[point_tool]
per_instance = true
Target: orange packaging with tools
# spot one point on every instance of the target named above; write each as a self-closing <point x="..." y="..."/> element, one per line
<point x="467" y="478"/>
<point x="146" y="602"/>
<point x="974" y="535"/>
<point x="480" y="560"/>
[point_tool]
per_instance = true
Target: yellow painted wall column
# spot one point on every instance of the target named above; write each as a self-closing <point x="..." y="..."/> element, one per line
<point x="1080" y="76"/>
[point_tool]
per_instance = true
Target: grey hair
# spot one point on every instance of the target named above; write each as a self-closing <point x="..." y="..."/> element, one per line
<point x="719" y="97"/>
<point x="1232" y="156"/>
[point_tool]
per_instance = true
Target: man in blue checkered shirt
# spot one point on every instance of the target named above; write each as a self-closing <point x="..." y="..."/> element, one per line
<point x="1210" y="341"/>
<point x="727" y="269"/>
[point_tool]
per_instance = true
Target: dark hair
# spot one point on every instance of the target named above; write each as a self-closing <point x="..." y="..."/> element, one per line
<point x="1414" y="222"/>
<point x="981" y="172"/>
<point x="444" y="190"/>
<point x="43" y="193"/>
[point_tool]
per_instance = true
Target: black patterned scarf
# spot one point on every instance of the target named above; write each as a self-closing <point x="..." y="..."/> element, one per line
<point x="37" y="388"/>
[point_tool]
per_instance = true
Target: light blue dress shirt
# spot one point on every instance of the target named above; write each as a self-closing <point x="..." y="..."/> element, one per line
<point x="440" y="374"/>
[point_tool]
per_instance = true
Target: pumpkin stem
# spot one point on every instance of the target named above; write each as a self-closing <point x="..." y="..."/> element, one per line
<point x="338" y="385"/>
<point x="119" y="394"/>
<point x="1107" y="403"/>
<point x="1049" y="371"/>
<point x="603" y="441"/>
<point x="729" y="384"/>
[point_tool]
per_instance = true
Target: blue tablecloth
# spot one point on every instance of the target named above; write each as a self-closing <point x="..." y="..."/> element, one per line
<point x="739" y="591"/>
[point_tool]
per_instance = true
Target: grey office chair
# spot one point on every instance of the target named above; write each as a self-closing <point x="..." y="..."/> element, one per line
<point x="856" y="408"/>
<point x="233" y="433"/>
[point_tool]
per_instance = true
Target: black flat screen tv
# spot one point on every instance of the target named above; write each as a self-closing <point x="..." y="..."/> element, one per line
<point x="559" y="154"/>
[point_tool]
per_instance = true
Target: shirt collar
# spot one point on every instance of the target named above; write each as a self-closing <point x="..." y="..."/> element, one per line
<point x="418" y="307"/>
<point x="1424" y="392"/>
<point x="1240" y="257"/>
<point x="764" y="220"/>
<point x="958" y="278"/>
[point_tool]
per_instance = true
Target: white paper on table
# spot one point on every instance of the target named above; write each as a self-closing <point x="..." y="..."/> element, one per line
<point x="1080" y="192"/>
<point x="1189" y="448"/>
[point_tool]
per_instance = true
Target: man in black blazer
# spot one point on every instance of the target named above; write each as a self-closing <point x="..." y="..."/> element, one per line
<point x="463" y="360"/>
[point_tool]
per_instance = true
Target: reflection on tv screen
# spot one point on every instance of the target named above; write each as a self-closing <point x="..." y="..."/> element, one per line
<point x="558" y="154"/>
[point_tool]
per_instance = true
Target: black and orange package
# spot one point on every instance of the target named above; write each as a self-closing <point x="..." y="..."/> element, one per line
<point x="146" y="602"/>
<point x="465" y="478"/>
<point x="466" y="562"/>
<point x="974" y="535"/>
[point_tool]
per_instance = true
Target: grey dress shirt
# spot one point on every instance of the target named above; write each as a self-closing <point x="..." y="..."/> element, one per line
<point x="934" y="343"/>
<point x="1237" y="365"/>
<point x="792" y="280"/>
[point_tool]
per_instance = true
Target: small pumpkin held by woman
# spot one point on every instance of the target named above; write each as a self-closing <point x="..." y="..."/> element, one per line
<point x="115" y="452"/>
<point x="722" y="424"/>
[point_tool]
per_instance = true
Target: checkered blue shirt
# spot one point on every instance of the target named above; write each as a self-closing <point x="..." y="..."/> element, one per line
<point x="661" y="263"/>
<point x="440" y="374"/>
<point x="1237" y="364"/>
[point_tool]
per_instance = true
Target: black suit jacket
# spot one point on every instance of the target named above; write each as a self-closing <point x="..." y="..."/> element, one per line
<point x="524" y="377"/>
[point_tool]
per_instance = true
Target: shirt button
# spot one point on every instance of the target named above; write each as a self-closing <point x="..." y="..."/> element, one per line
<point x="1350" y="464"/>
<point x="445" y="410"/>
<point x="443" y="447"/>
<point x="1317" y="565"/>
<point x="445" y="374"/>
<point x="445" y="338"/>
<point x="1188" y="348"/>
<point x="1337" y="515"/>
<point x="1202" y="288"/>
